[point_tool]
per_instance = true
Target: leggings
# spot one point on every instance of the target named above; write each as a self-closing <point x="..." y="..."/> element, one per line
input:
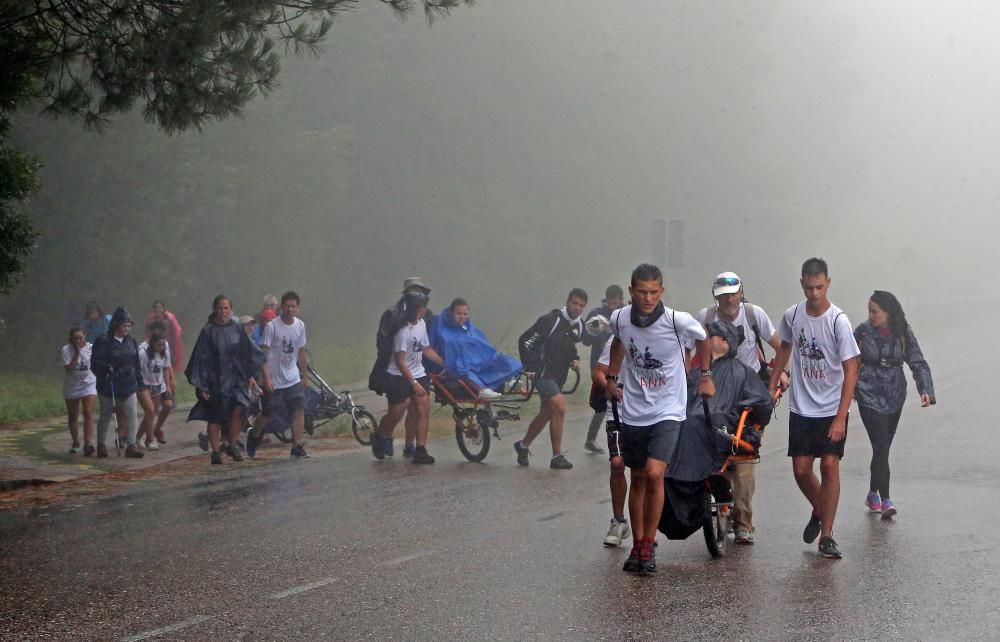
<point x="128" y="407"/>
<point x="881" y="429"/>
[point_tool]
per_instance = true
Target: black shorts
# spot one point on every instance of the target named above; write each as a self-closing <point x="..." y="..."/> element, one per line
<point x="547" y="388"/>
<point x="807" y="437"/>
<point x="284" y="401"/>
<point x="614" y="440"/>
<point x="658" y="441"/>
<point x="398" y="389"/>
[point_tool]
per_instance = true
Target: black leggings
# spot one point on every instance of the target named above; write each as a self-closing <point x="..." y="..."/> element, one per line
<point x="881" y="429"/>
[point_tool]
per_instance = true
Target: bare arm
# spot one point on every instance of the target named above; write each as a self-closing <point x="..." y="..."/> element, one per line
<point x="706" y="387"/>
<point x="405" y="371"/>
<point x="303" y="363"/>
<point x="433" y="355"/>
<point x="265" y="372"/>
<point x="611" y="385"/>
<point x="781" y="358"/>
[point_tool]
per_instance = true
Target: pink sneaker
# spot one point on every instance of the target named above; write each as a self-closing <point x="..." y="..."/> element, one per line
<point x="874" y="502"/>
<point x="888" y="509"/>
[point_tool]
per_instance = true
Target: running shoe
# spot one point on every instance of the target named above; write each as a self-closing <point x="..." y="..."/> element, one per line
<point x="216" y="458"/>
<point x="203" y="441"/>
<point x="75" y="448"/>
<point x="102" y="450"/>
<point x="88" y="450"/>
<point x="377" y="447"/>
<point x="744" y="537"/>
<point x="152" y="445"/>
<point x="159" y="437"/>
<point x="632" y="563"/>
<point x="409" y="450"/>
<point x="812" y="529"/>
<point x="489" y="395"/>
<point x="251" y="443"/>
<point x="234" y="453"/>
<point x="828" y="548"/>
<point x="299" y="452"/>
<point x="591" y="447"/>
<point x="618" y="532"/>
<point x="522" y="453"/>
<point x="133" y="452"/>
<point x="647" y="558"/>
<point x="387" y="447"/>
<point x="873" y="502"/>
<point x="888" y="508"/>
<point x="559" y="462"/>
<point x="421" y="456"/>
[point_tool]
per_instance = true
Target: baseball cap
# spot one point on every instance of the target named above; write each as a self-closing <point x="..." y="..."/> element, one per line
<point x="726" y="283"/>
<point x="415" y="282"/>
<point x="245" y="319"/>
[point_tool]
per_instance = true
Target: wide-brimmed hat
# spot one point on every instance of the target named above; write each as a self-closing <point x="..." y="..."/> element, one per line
<point x="726" y="283"/>
<point x="415" y="282"/>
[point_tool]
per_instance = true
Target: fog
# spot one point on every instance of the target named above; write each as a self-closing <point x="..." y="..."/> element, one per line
<point x="515" y="150"/>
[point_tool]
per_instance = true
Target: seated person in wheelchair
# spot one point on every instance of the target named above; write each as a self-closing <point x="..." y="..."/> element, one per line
<point x="705" y="440"/>
<point x="467" y="353"/>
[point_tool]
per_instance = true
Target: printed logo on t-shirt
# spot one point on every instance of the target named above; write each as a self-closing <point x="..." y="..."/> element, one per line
<point x="647" y="369"/>
<point x="415" y="345"/>
<point x="813" y="360"/>
<point x="287" y="346"/>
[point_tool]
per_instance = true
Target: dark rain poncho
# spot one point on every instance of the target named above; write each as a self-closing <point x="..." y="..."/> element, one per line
<point x="704" y="443"/>
<point x="221" y="364"/>
<point x="467" y="353"/>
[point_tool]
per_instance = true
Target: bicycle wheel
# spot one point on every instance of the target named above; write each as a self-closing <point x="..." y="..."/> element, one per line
<point x="473" y="439"/>
<point x="714" y="529"/>
<point x="363" y="424"/>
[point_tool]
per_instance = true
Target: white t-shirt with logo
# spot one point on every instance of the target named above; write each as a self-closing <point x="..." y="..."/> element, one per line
<point x="820" y="345"/>
<point x="747" y="351"/>
<point x="283" y="342"/>
<point x="653" y="379"/>
<point x="80" y="382"/>
<point x="152" y="368"/>
<point x="411" y="339"/>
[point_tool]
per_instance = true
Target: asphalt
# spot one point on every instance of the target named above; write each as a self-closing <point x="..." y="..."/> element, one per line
<point x="347" y="548"/>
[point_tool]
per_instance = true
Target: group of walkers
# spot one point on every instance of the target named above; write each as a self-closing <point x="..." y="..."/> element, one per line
<point x="654" y="370"/>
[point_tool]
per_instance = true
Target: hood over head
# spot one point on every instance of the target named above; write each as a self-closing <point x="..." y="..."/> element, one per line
<point x="731" y="333"/>
<point x="119" y="317"/>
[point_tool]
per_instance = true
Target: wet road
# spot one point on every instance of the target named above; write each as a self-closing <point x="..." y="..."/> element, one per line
<point x="344" y="547"/>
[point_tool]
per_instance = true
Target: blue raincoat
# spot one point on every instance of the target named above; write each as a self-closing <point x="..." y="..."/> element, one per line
<point x="467" y="353"/>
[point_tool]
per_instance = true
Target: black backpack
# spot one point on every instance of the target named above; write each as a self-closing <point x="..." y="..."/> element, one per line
<point x="388" y="325"/>
<point x="531" y="344"/>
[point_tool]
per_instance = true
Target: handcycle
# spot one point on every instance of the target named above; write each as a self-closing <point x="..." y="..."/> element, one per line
<point x="475" y="418"/>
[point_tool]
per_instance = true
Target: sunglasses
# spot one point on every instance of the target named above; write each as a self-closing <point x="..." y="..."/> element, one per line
<point x="727" y="280"/>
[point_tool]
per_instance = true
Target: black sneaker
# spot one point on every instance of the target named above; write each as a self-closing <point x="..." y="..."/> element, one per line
<point x="299" y="452"/>
<point x="102" y="450"/>
<point x="421" y="456"/>
<point x="203" y="441"/>
<point x="591" y="447"/>
<point x="647" y="558"/>
<point x="632" y="563"/>
<point x="559" y="462"/>
<point x="812" y="529"/>
<point x="88" y="450"/>
<point x="251" y="443"/>
<point x="828" y="548"/>
<point x="522" y="453"/>
<point x="234" y="453"/>
<point x="216" y="458"/>
<point x="377" y="447"/>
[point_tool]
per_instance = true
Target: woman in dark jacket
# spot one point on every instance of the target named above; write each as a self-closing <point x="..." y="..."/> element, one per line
<point x="220" y="368"/>
<point x="114" y="360"/>
<point x="886" y="341"/>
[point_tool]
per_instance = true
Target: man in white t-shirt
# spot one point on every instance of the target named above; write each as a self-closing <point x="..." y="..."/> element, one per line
<point x="284" y="377"/>
<point x="817" y="336"/>
<point x="727" y="290"/>
<point x="649" y="356"/>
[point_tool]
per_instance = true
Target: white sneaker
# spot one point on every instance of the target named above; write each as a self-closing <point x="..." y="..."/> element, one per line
<point x="489" y="395"/>
<point x="617" y="533"/>
<point x="152" y="445"/>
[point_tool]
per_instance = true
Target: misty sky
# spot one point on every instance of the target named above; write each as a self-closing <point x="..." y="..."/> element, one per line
<point x="517" y="149"/>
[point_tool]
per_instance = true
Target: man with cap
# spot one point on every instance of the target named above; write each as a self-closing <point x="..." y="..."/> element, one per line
<point x="730" y="305"/>
<point x="389" y="323"/>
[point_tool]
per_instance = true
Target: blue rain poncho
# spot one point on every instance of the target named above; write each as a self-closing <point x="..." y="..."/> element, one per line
<point x="467" y="353"/>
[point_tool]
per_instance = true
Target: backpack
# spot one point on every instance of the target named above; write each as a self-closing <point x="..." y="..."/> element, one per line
<point x="388" y="325"/>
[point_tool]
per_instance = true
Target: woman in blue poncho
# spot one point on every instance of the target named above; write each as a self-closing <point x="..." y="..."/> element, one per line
<point x="467" y="352"/>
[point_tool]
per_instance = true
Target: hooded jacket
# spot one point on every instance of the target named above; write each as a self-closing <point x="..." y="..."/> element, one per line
<point x="557" y="338"/>
<point x="881" y="382"/>
<point x="704" y="442"/>
<point x="467" y="353"/>
<point x="116" y="363"/>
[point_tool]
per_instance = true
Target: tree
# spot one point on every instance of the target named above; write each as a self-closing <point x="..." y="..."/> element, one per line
<point x="184" y="63"/>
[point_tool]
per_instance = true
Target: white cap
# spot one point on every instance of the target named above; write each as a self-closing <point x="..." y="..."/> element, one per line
<point x="726" y="283"/>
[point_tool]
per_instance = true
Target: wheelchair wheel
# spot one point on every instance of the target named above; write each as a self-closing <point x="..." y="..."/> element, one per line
<point x="473" y="439"/>
<point x="714" y="529"/>
<point x="363" y="424"/>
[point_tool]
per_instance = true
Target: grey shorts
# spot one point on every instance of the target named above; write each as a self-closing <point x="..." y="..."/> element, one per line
<point x="547" y="388"/>
<point x="657" y="441"/>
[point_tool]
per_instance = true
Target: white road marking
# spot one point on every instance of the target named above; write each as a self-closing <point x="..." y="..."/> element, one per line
<point x="302" y="589"/>
<point x="406" y="558"/>
<point x="198" y="619"/>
